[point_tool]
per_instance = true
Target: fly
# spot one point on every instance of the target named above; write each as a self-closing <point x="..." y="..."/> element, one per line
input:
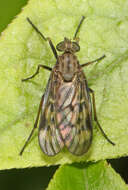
<point x="65" y="110"/>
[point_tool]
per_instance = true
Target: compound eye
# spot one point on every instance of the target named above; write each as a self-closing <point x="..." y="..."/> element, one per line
<point x="75" y="47"/>
<point x="61" y="46"/>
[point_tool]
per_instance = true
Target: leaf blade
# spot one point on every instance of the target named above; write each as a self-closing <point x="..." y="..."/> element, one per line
<point x="96" y="176"/>
<point x="21" y="50"/>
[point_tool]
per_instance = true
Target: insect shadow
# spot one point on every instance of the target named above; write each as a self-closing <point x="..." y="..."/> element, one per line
<point x="65" y="109"/>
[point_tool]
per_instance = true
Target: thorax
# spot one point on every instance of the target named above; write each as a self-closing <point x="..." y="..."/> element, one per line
<point x="67" y="65"/>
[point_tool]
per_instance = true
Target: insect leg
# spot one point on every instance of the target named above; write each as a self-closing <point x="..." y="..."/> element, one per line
<point x="88" y="63"/>
<point x="37" y="71"/>
<point x="78" y="27"/>
<point x="95" y="117"/>
<point x="46" y="39"/>
<point x="35" y="126"/>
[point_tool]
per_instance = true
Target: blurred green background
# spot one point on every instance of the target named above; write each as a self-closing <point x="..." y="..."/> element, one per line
<point x="8" y="10"/>
<point x="26" y="179"/>
<point x="35" y="178"/>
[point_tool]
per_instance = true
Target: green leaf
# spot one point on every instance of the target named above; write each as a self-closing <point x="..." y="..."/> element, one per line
<point x="105" y="31"/>
<point x="96" y="176"/>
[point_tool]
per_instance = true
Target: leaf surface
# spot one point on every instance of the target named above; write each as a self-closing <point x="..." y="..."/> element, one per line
<point x="105" y="31"/>
<point x="87" y="177"/>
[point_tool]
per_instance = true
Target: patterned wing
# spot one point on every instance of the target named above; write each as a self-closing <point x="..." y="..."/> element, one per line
<point x="74" y="117"/>
<point x="50" y="139"/>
